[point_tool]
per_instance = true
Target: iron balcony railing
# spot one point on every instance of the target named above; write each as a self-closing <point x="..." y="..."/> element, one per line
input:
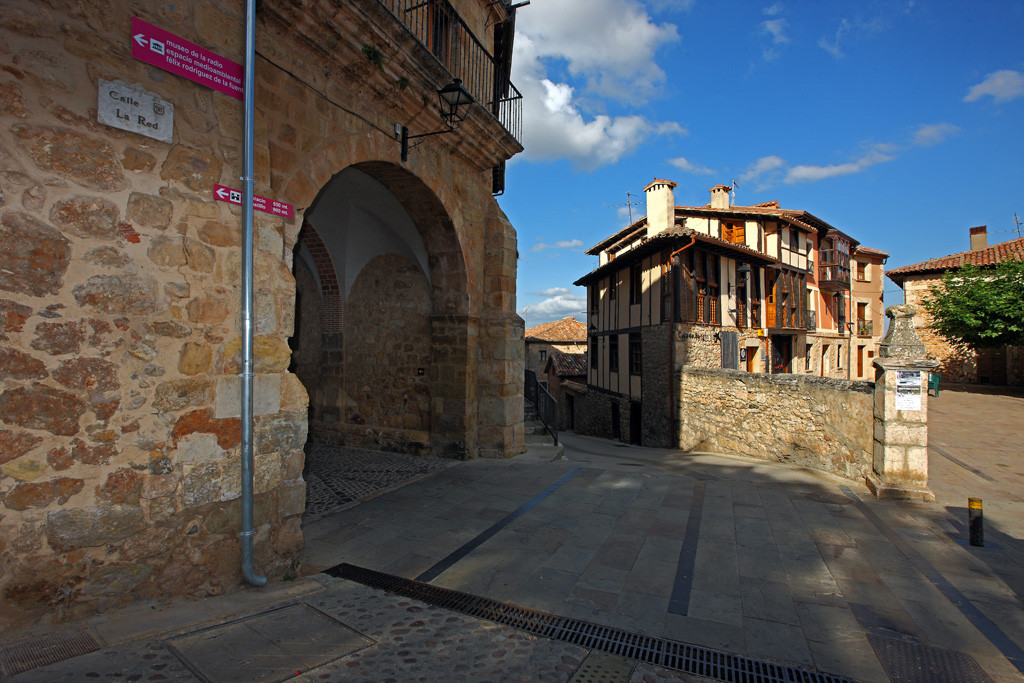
<point x="865" y="328"/>
<point x="440" y="29"/>
<point x="547" y="406"/>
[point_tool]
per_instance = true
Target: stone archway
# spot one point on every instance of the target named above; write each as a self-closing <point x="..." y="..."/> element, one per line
<point x="386" y="272"/>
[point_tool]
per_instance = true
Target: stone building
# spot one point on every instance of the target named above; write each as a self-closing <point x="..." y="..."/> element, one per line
<point x="957" y="363"/>
<point x="384" y="305"/>
<point x="566" y="377"/>
<point x="567" y="335"/>
<point x="713" y="286"/>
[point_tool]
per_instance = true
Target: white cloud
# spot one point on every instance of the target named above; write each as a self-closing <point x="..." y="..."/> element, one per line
<point x="611" y="59"/>
<point x="1002" y="86"/>
<point x="554" y="308"/>
<point x="776" y="28"/>
<point x="554" y="291"/>
<point x="561" y="244"/>
<point x="849" y="29"/>
<point x="609" y="43"/>
<point x="933" y="133"/>
<point x="688" y="166"/>
<point x="763" y="167"/>
<point x="809" y="173"/>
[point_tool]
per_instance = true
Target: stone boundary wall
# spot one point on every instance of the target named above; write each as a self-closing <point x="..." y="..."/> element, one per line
<point x="825" y="424"/>
<point x="594" y="415"/>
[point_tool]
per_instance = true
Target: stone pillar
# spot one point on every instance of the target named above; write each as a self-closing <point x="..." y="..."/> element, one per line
<point x="900" y="462"/>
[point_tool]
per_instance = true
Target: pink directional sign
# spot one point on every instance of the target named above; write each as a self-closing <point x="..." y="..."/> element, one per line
<point x="161" y="48"/>
<point x="233" y="196"/>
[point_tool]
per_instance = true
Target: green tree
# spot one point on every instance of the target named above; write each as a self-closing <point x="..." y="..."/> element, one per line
<point x="980" y="307"/>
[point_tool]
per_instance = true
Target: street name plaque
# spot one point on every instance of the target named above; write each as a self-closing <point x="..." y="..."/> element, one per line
<point x="131" y="107"/>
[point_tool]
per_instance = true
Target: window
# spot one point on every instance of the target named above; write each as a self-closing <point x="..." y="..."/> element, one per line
<point x="862" y="274"/>
<point x="595" y="297"/>
<point x="613" y="286"/>
<point x="794" y="239"/>
<point x="543" y="355"/>
<point x="635" y="351"/>
<point x="666" y="285"/>
<point x="734" y="232"/>
<point x="613" y="353"/>
<point x="593" y="353"/>
<point x="706" y="275"/>
<point x="755" y="298"/>
<point x="636" y="272"/>
<point x="807" y="360"/>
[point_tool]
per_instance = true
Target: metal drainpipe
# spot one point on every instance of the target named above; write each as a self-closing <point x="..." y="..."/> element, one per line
<point x="248" y="571"/>
<point x="673" y="399"/>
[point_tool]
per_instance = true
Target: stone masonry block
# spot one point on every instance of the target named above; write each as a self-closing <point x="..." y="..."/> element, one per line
<point x="266" y="395"/>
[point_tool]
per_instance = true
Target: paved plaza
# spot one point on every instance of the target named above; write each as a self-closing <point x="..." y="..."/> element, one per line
<point x="767" y="562"/>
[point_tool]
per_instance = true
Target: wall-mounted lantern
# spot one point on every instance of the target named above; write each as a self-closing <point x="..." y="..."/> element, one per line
<point x="742" y="273"/>
<point x="454" y="101"/>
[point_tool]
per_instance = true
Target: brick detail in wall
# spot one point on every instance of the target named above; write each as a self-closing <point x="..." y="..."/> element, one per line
<point x="330" y="288"/>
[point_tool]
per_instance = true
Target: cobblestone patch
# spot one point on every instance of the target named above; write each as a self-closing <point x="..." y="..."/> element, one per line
<point x="418" y="642"/>
<point x="336" y="477"/>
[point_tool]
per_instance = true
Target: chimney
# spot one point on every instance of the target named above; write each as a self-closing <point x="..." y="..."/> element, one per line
<point x="979" y="237"/>
<point x="720" y="197"/>
<point x="661" y="206"/>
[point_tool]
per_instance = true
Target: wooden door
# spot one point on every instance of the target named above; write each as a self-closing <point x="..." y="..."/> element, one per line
<point x="781" y="354"/>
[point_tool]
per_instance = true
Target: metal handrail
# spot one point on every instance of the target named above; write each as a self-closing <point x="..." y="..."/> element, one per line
<point x="440" y="29"/>
<point x="546" y="405"/>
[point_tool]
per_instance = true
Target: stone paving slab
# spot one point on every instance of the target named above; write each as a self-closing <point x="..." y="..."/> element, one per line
<point x="790" y="564"/>
<point x="784" y="556"/>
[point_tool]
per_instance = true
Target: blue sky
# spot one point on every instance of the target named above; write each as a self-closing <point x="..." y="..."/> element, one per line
<point x="898" y="122"/>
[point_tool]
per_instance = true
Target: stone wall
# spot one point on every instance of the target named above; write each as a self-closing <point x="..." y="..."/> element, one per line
<point x="656" y="387"/>
<point x="119" y="388"/>
<point x="594" y="415"/>
<point x="957" y="363"/>
<point x="120" y="294"/>
<point x="384" y="392"/>
<point x="696" y="346"/>
<point x="824" y="424"/>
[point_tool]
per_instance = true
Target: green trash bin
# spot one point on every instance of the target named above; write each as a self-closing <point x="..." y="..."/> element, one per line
<point x="933" y="382"/>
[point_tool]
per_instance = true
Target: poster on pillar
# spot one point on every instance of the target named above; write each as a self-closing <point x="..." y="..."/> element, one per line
<point x="908" y="390"/>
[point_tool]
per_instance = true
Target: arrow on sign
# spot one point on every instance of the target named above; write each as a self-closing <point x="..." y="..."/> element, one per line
<point x="140" y="38"/>
<point x="233" y="196"/>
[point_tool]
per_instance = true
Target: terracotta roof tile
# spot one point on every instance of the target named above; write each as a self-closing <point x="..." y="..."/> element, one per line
<point x="873" y="252"/>
<point x="989" y="256"/>
<point x="578" y="387"/>
<point x="569" y="364"/>
<point x="565" y="330"/>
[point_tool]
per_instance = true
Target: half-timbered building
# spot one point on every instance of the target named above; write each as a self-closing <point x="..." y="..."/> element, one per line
<point x="718" y="285"/>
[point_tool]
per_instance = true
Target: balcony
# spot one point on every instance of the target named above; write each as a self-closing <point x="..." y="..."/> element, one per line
<point x="834" y="271"/>
<point x="865" y="328"/>
<point x="440" y="29"/>
<point x="810" y="319"/>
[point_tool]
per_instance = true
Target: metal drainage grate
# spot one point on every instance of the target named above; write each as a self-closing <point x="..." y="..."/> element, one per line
<point x="670" y="654"/>
<point x="907" y="662"/>
<point x="599" y="667"/>
<point x="31" y="654"/>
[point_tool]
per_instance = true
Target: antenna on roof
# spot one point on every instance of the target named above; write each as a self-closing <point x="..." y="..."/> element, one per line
<point x="629" y="205"/>
<point x="732" y="202"/>
<point x="1016" y="220"/>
